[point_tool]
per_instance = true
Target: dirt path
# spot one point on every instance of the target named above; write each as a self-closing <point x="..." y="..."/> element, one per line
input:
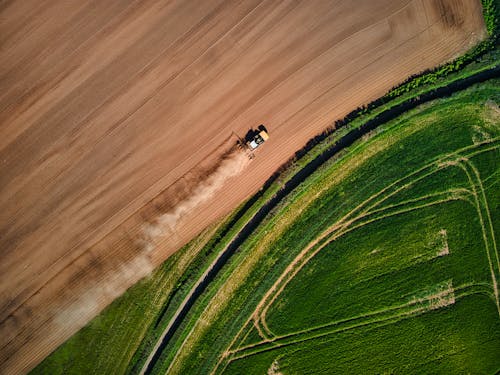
<point x="106" y="108"/>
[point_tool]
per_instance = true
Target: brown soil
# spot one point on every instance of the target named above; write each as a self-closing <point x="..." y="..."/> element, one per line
<point x="113" y="113"/>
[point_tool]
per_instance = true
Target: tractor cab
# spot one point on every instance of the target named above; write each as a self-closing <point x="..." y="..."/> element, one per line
<point x="258" y="139"/>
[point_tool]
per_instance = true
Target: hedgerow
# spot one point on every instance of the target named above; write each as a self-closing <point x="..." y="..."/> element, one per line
<point x="491" y="16"/>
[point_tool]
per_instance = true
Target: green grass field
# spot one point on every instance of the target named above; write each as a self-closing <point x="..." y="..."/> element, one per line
<point x="384" y="261"/>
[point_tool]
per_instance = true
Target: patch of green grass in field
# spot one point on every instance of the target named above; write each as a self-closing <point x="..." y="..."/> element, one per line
<point x="369" y="278"/>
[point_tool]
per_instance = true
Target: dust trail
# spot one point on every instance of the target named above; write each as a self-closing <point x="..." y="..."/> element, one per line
<point x="90" y="303"/>
<point x="231" y="165"/>
<point x="112" y="285"/>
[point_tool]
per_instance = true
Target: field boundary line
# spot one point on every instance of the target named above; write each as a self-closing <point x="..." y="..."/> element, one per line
<point x="486" y="209"/>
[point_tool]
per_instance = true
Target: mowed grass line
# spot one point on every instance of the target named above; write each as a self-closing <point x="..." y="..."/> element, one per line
<point x="486" y="225"/>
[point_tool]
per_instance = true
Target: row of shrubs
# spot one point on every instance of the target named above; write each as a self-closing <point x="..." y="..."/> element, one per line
<point x="491" y="18"/>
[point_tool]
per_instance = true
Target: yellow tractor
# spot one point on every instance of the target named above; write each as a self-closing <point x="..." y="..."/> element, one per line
<point x="258" y="139"/>
<point x="253" y="140"/>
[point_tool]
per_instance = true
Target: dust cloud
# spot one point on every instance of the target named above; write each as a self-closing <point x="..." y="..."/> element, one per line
<point x="231" y="165"/>
<point x="113" y="285"/>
